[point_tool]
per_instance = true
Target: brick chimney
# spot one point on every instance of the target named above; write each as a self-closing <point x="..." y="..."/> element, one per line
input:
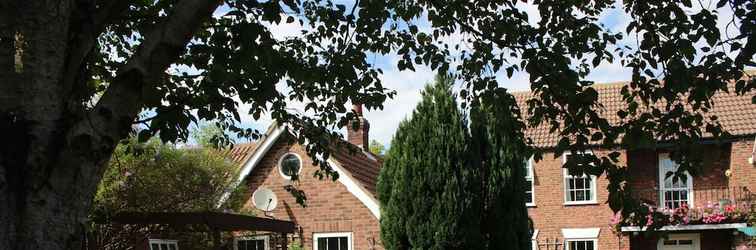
<point x="358" y="129"/>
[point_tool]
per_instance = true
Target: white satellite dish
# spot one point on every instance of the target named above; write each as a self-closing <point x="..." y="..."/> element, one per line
<point x="264" y="199"/>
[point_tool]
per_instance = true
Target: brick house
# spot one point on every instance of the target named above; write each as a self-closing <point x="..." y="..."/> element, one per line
<point x="340" y="215"/>
<point x="568" y="212"/>
<point x="573" y="211"/>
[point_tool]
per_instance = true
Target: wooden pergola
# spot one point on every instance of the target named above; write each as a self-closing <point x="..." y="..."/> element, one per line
<point x="213" y="222"/>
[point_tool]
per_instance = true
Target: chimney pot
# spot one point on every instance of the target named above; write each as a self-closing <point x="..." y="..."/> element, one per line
<point x="357" y="109"/>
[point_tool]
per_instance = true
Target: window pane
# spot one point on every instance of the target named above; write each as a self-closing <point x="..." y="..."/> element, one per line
<point x="260" y="244"/>
<point x="670" y="242"/>
<point x="529" y="191"/>
<point x="322" y="244"/>
<point x="579" y="196"/>
<point x="589" y="245"/>
<point x="343" y="243"/>
<point x="290" y="164"/>
<point x="333" y="243"/>
<point x="588" y="194"/>
<point x="154" y="246"/>
<point x="172" y="247"/>
<point x="579" y="183"/>
<point x="163" y="246"/>
<point x="685" y="242"/>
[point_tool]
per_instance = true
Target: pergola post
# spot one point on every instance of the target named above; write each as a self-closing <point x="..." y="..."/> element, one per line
<point x="284" y="241"/>
<point x="216" y="239"/>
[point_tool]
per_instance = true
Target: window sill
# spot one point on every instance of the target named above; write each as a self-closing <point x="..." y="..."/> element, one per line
<point x="529" y="205"/>
<point x="578" y="203"/>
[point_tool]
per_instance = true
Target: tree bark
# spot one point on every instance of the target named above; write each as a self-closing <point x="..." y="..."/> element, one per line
<point x="52" y="157"/>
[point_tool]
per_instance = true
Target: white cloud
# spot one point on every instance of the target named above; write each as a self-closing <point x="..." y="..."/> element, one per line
<point x="408" y="84"/>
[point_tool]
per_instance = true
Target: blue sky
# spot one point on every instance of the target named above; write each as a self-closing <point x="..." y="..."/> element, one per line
<point x="408" y="84"/>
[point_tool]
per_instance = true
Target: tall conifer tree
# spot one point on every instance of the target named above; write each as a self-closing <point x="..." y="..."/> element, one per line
<point x="441" y="188"/>
<point x="421" y="183"/>
<point x="499" y="153"/>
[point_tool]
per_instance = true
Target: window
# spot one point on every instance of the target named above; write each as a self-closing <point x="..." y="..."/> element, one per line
<point x="160" y="244"/>
<point x="290" y="165"/>
<point x="673" y="193"/>
<point x="581" y="238"/>
<point x="529" y="187"/>
<point x="578" y="189"/>
<point x="534" y="240"/>
<point x="332" y="241"/>
<point x="251" y="243"/>
<point x="680" y="241"/>
<point x="581" y="244"/>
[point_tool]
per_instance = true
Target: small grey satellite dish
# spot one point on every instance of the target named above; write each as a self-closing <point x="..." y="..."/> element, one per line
<point x="264" y="199"/>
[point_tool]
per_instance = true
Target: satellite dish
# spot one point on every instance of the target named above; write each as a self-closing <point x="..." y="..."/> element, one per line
<point x="264" y="199"/>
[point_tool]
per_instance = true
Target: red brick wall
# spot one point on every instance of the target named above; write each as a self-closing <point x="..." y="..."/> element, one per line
<point x="330" y="206"/>
<point x="743" y="173"/>
<point x="550" y="215"/>
<point x="707" y="184"/>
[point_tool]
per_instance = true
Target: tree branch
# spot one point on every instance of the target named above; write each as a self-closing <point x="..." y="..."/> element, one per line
<point x="89" y="27"/>
<point x="112" y="116"/>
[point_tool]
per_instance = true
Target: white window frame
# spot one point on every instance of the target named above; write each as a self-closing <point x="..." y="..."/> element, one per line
<point x="316" y="236"/>
<point x="567" y="243"/>
<point x="662" y="178"/>
<point x="694" y="237"/>
<point x="581" y="234"/>
<point x="280" y="168"/>
<point x="161" y="242"/>
<point x="265" y="238"/>
<point x="529" y="176"/>
<point x="566" y="175"/>
<point x="534" y="240"/>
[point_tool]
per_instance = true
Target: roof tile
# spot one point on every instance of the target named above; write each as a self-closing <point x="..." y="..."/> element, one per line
<point x="736" y="113"/>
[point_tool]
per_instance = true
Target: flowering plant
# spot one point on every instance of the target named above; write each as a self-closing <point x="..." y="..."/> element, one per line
<point x="653" y="217"/>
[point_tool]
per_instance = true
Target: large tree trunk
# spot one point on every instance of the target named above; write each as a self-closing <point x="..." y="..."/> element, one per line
<point x="54" y="151"/>
<point x="46" y="182"/>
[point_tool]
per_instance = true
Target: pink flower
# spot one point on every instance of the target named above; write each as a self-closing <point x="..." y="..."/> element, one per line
<point x="617" y="218"/>
<point x="730" y="208"/>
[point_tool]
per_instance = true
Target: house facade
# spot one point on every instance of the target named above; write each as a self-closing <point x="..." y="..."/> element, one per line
<point x="339" y="215"/>
<point x="570" y="212"/>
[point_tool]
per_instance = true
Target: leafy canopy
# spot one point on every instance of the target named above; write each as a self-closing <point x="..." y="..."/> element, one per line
<point x="679" y="57"/>
<point x="157" y="177"/>
<point x="377" y="147"/>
